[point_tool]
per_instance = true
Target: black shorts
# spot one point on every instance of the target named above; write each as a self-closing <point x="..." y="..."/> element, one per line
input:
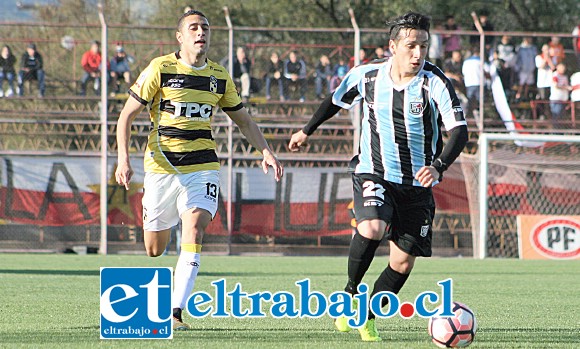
<point x="408" y="211"/>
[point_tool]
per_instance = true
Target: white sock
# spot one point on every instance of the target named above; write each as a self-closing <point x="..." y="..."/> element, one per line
<point x="184" y="277"/>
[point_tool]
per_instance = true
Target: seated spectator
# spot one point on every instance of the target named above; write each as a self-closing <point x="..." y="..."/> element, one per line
<point x="242" y="73"/>
<point x="31" y="69"/>
<point x="91" y="63"/>
<point x="556" y="50"/>
<point x="544" y="78"/>
<point x="362" y="55"/>
<point x="559" y="93"/>
<point x="7" y="71"/>
<point x="339" y="71"/>
<point x="120" y="69"/>
<point x="295" y="75"/>
<point x="525" y="67"/>
<point x="322" y="76"/>
<point x="452" y="67"/>
<point x="275" y="72"/>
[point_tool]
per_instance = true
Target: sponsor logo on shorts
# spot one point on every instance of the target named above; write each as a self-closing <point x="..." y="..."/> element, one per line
<point x="373" y="203"/>
<point x="424" y="230"/>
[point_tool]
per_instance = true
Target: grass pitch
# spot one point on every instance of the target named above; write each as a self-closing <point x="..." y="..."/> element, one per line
<point x="52" y="301"/>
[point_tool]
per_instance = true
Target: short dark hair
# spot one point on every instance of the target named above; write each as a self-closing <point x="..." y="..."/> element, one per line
<point x="411" y="20"/>
<point x="187" y="14"/>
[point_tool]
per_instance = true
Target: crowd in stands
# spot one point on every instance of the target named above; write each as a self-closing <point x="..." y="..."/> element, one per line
<point x="527" y="74"/>
<point x="31" y="68"/>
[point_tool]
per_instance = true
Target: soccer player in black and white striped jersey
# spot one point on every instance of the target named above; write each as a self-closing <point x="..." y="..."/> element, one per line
<point x="401" y="154"/>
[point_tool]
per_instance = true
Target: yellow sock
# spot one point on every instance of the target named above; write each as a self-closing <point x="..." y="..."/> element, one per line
<point x="196" y="248"/>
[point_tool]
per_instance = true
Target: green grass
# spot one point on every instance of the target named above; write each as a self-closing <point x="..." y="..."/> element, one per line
<point x="52" y="301"/>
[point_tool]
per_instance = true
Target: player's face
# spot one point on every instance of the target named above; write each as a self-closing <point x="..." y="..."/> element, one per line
<point x="194" y="35"/>
<point x="409" y="50"/>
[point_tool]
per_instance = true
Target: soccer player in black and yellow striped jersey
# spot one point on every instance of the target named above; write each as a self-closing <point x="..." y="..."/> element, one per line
<point x="181" y="166"/>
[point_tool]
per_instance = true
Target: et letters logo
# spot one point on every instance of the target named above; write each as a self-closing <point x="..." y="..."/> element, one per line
<point x="136" y="303"/>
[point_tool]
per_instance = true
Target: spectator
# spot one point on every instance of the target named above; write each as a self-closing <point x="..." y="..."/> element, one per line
<point x="487" y="27"/>
<point x="559" y="93"/>
<point x="556" y="50"/>
<point x="322" y="76"/>
<point x="452" y="42"/>
<point x="436" y="48"/>
<point x="120" y="68"/>
<point x="453" y="70"/>
<point x="295" y="75"/>
<point x="241" y="73"/>
<point x="507" y="53"/>
<point x="544" y="77"/>
<point x="503" y="72"/>
<point x="526" y="67"/>
<point x="91" y="63"/>
<point x="7" y="71"/>
<point x="275" y="72"/>
<point x="362" y="55"/>
<point x="339" y="71"/>
<point x="379" y="53"/>
<point x="575" y="83"/>
<point x="471" y="71"/>
<point x="31" y="69"/>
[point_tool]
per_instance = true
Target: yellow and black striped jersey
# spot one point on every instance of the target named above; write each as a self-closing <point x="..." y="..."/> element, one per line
<point x="182" y="99"/>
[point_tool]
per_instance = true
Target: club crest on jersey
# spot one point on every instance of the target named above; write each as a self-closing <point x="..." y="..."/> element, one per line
<point x="213" y="84"/>
<point x="416" y="108"/>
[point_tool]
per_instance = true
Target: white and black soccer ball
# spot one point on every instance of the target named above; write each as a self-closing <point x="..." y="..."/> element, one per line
<point x="457" y="331"/>
<point x="67" y="42"/>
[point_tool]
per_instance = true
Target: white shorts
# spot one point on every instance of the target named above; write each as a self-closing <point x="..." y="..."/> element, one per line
<point x="167" y="196"/>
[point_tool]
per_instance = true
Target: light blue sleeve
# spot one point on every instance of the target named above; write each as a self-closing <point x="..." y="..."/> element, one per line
<point x="348" y="93"/>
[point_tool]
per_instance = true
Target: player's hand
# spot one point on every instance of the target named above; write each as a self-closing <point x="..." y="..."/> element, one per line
<point x="123" y="174"/>
<point x="427" y="175"/>
<point x="299" y="139"/>
<point x="270" y="160"/>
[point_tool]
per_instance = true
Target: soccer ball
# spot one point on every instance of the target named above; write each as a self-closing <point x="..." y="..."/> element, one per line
<point x="457" y="331"/>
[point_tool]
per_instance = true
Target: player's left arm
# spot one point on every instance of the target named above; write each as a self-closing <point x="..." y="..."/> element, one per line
<point x="454" y="121"/>
<point x="253" y="134"/>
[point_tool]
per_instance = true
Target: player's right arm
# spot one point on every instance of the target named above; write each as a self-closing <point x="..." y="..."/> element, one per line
<point x="130" y="111"/>
<point x="140" y="94"/>
<point x="326" y="110"/>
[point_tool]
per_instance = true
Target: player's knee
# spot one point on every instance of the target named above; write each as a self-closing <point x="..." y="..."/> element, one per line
<point x="154" y="251"/>
<point x="402" y="267"/>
